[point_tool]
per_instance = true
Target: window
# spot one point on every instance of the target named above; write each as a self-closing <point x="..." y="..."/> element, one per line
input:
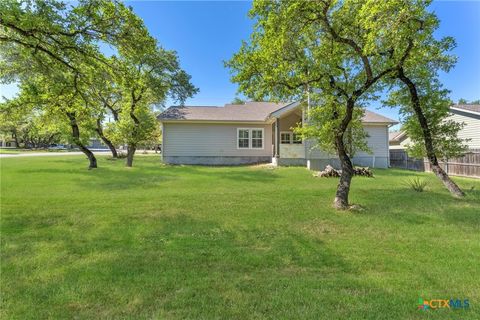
<point x="285" y="137"/>
<point x="297" y="138"/>
<point x="243" y="140"/>
<point x="257" y="138"/>
<point x="250" y="138"/>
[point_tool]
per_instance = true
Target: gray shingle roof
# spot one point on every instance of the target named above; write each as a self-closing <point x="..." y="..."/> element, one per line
<point x="392" y="135"/>
<point x="371" y="116"/>
<point x="468" y="107"/>
<point x="251" y="111"/>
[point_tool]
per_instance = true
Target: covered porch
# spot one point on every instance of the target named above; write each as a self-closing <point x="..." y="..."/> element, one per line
<point x="288" y="147"/>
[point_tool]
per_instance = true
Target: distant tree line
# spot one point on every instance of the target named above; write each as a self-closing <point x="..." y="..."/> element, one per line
<point x="68" y="87"/>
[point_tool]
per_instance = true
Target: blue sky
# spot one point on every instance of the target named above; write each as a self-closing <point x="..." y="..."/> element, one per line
<point x="207" y="33"/>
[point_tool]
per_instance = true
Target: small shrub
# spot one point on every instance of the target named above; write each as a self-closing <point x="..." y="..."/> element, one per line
<point x="417" y="184"/>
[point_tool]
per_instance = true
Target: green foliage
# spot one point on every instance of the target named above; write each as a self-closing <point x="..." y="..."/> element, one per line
<point x="129" y="132"/>
<point x="334" y="51"/>
<point x="417" y="184"/>
<point x="464" y="101"/>
<point x="322" y="129"/>
<point x="31" y="126"/>
<point x="53" y="50"/>
<point x="435" y="105"/>
<point x="238" y="100"/>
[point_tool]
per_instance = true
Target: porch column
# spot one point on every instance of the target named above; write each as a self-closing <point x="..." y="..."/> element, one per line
<point x="277" y="138"/>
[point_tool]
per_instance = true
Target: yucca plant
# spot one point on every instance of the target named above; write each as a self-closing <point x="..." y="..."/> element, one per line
<point x="417" y="184"/>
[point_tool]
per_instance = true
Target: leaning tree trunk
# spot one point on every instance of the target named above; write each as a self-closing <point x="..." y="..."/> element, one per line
<point x="78" y="142"/>
<point x="130" y="153"/>
<point x="427" y="136"/>
<point x="343" y="188"/>
<point x="105" y="140"/>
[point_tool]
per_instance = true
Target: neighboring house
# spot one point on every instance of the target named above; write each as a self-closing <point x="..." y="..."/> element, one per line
<point x="256" y="132"/>
<point x="96" y="143"/>
<point x="7" y="142"/>
<point x="468" y="114"/>
<point x="398" y="140"/>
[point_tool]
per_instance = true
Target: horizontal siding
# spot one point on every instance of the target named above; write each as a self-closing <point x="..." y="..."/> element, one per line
<point x="377" y="142"/>
<point x="189" y="139"/>
<point x="471" y="130"/>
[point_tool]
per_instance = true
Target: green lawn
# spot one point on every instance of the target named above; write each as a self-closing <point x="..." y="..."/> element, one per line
<point x="18" y="151"/>
<point x="196" y="242"/>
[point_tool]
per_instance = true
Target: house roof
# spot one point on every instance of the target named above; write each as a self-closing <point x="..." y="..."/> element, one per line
<point x="248" y="112"/>
<point x="392" y="135"/>
<point x="467" y="107"/>
<point x="396" y="136"/>
<point x="370" y="116"/>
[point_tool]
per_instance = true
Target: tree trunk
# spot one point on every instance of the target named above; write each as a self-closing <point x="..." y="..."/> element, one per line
<point x="130" y="153"/>
<point x="105" y="140"/>
<point x="343" y="188"/>
<point x="15" y="138"/>
<point x="427" y="136"/>
<point x="78" y="142"/>
<point x="132" y="147"/>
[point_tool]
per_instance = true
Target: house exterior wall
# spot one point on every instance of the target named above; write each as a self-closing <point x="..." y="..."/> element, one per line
<point x="377" y="142"/>
<point x="212" y="144"/>
<point x="471" y="130"/>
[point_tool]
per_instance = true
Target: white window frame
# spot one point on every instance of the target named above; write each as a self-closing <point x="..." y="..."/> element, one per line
<point x="250" y="134"/>
<point x="289" y="137"/>
<point x="293" y="140"/>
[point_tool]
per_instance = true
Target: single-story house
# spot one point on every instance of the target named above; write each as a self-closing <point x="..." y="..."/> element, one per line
<point x="468" y="114"/>
<point x="257" y="132"/>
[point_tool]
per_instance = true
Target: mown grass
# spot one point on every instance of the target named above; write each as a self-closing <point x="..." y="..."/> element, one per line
<point x="21" y="151"/>
<point x="194" y="242"/>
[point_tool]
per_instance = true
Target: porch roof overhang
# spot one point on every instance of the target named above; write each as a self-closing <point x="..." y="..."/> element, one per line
<point x="284" y="110"/>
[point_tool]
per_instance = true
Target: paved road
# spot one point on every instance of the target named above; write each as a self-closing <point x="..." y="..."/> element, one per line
<point x="48" y="154"/>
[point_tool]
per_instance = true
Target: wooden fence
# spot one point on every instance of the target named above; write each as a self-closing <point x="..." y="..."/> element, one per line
<point x="468" y="165"/>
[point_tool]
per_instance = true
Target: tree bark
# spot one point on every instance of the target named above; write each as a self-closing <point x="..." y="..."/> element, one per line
<point x="343" y="188"/>
<point x="132" y="147"/>
<point x="130" y="153"/>
<point x="427" y="136"/>
<point x="15" y="138"/>
<point x="78" y="142"/>
<point x="105" y="140"/>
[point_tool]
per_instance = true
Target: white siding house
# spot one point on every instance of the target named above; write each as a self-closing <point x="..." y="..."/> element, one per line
<point x="257" y="132"/>
<point x="469" y="115"/>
